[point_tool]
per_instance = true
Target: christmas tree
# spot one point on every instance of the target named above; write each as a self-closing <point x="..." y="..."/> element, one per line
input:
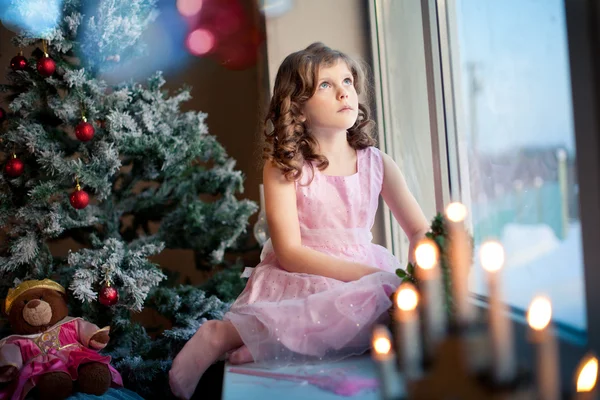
<point x="123" y="172"/>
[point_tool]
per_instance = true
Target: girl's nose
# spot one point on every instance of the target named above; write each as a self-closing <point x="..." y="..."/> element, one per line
<point x="343" y="94"/>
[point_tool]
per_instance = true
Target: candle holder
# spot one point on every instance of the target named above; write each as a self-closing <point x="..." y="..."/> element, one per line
<point x="470" y="355"/>
<point x="449" y="375"/>
<point x="467" y="356"/>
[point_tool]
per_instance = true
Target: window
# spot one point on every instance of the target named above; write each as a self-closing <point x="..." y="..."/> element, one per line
<point x="476" y="103"/>
<point x="510" y="68"/>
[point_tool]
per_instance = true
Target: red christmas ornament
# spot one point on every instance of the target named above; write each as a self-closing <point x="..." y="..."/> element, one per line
<point x="79" y="198"/>
<point x="2" y="114"/>
<point x="14" y="167"/>
<point x="18" y="63"/>
<point x="108" y="295"/>
<point x="46" y="66"/>
<point x="84" y="131"/>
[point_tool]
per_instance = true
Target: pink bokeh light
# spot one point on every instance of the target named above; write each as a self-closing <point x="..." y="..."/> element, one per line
<point x="189" y="8"/>
<point x="200" y="42"/>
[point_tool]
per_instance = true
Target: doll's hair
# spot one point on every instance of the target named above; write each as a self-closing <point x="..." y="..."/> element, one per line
<point x="288" y="141"/>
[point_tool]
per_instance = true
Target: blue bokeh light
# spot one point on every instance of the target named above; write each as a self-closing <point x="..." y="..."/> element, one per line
<point x="30" y="17"/>
<point x="165" y="41"/>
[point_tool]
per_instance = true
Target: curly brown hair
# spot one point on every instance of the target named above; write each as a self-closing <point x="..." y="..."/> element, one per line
<point x="290" y="144"/>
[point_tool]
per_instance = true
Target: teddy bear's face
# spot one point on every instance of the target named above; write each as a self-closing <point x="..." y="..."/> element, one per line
<point x="36" y="310"/>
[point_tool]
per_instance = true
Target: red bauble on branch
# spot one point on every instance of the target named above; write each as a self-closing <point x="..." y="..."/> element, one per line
<point x="46" y="66"/>
<point x="14" y="167"/>
<point x="84" y="131"/>
<point x="18" y="63"/>
<point x="79" y="198"/>
<point x="108" y="295"/>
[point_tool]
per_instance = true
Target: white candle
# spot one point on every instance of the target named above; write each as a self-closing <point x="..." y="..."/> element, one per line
<point x="385" y="360"/>
<point x="460" y="253"/>
<point x="504" y="366"/>
<point x="586" y="377"/>
<point x="408" y="338"/>
<point x="539" y="317"/>
<point x="430" y="281"/>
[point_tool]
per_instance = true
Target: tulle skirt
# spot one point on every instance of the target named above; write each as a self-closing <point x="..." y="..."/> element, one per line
<point x="284" y="317"/>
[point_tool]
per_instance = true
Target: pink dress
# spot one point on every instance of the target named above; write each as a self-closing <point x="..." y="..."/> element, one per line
<point x="61" y="348"/>
<point x="284" y="317"/>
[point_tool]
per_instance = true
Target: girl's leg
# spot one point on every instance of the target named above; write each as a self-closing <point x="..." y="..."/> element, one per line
<point x="213" y="339"/>
<point x="241" y="356"/>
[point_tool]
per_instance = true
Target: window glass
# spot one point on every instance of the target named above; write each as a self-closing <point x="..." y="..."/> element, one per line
<point x="510" y="62"/>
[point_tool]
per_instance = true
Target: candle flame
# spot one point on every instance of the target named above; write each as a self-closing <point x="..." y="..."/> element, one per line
<point x="407" y="297"/>
<point x="540" y="313"/>
<point x="426" y="254"/>
<point x="588" y="374"/>
<point x="382" y="343"/>
<point x="491" y="255"/>
<point x="456" y="212"/>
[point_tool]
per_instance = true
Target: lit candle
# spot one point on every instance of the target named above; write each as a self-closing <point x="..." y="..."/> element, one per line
<point x="586" y="377"/>
<point x="539" y="317"/>
<point x="385" y="360"/>
<point x="408" y="339"/>
<point x="504" y="363"/>
<point x="429" y="275"/>
<point x="460" y="253"/>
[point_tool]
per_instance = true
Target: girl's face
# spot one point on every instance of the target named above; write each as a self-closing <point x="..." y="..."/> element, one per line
<point x="334" y="106"/>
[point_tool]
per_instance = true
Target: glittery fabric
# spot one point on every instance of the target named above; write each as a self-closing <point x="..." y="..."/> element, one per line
<point x="284" y="317"/>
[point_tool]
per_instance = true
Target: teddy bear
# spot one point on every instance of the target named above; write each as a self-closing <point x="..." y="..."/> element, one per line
<point x="51" y="355"/>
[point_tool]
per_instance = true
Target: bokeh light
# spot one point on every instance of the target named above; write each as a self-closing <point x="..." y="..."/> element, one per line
<point x="407" y="298"/>
<point x="165" y="45"/>
<point x="426" y="254"/>
<point x="32" y="17"/>
<point x="491" y="255"/>
<point x="200" y="42"/>
<point x="189" y="8"/>
<point x="588" y="374"/>
<point x="540" y="313"/>
<point x="456" y="212"/>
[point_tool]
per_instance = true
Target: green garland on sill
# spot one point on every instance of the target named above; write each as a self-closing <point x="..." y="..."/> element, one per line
<point x="438" y="232"/>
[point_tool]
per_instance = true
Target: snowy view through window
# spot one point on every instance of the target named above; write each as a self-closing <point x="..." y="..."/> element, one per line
<point x="515" y="100"/>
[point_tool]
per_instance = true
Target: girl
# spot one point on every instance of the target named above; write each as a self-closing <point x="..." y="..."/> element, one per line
<point x="321" y="284"/>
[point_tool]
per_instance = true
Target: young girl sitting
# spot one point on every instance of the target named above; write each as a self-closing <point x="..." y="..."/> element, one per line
<point x="321" y="284"/>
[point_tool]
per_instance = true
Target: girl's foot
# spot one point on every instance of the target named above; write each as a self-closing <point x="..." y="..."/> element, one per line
<point x="213" y="339"/>
<point x="241" y="356"/>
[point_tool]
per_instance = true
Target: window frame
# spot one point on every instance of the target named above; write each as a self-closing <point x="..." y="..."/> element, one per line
<point x="583" y="22"/>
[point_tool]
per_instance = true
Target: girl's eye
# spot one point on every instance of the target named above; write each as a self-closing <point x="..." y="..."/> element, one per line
<point x="324" y="85"/>
<point x="348" y="81"/>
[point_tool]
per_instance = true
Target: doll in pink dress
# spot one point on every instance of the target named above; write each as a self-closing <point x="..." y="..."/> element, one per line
<point x="321" y="284"/>
<point x="50" y="349"/>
